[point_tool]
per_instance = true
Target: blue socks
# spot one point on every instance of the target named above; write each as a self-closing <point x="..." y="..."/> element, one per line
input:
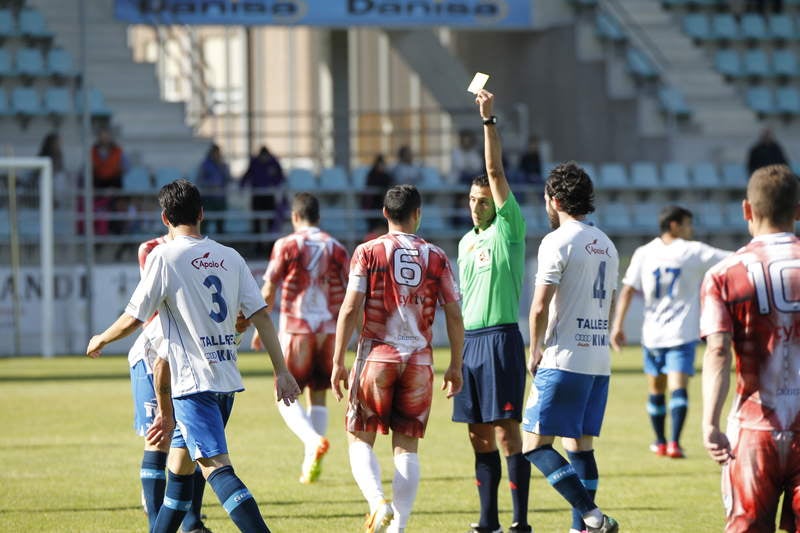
<point x="177" y="503"/>
<point x="562" y="477"/>
<point x="192" y="519"/>
<point x="487" y="477"/>
<point x="154" y="482"/>
<point x="658" y="412"/>
<point x="678" y="406"/>
<point x="237" y="500"/>
<point x="586" y="467"/>
<point x="519" y="479"/>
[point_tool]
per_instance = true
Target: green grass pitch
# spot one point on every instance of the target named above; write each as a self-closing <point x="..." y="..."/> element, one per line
<point x="71" y="459"/>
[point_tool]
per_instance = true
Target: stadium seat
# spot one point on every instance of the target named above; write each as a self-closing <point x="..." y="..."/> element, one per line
<point x="645" y="216"/>
<point x="760" y="100"/>
<point x="359" y="176"/>
<point x="587" y="167"/>
<point x="32" y="25"/>
<point x="673" y="103"/>
<point x="639" y="65"/>
<point x="705" y="175"/>
<point x="644" y="175"/>
<point x="784" y="64"/>
<point x="237" y="222"/>
<point x="335" y="221"/>
<point x="58" y="101"/>
<point x="4" y="225"/>
<point x="97" y="104"/>
<point x="675" y="176"/>
<point x="165" y="175"/>
<point x="4" y="109"/>
<point x="30" y="62"/>
<point x="781" y="28"/>
<point x="6" y="24"/>
<point x="137" y="179"/>
<point x="59" y="63"/>
<point x="616" y="216"/>
<point x="607" y="28"/>
<point x="6" y="68"/>
<point x="754" y="27"/>
<point x="709" y="216"/>
<point x="734" y="175"/>
<point x="733" y="214"/>
<point x="29" y="222"/>
<point x="25" y="102"/>
<point x="787" y="101"/>
<point x="756" y="64"/>
<point x="613" y="176"/>
<point x="301" y="179"/>
<point x="724" y="27"/>
<point x="433" y="220"/>
<point x="728" y="63"/>
<point x="696" y="26"/>
<point x="535" y="218"/>
<point x="431" y="178"/>
<point x="334" y="179"/>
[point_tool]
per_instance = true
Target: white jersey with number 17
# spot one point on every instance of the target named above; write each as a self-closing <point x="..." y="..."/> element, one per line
<point x="583" y="262"/>
<point x="198" y="287"/>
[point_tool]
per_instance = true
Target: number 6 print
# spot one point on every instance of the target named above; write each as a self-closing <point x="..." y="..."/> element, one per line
<point x="406" y="271"/>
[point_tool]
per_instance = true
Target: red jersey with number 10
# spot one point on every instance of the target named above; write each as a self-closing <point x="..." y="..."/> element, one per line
<point x="754" y="295"/>
<point x="404" y="279"/>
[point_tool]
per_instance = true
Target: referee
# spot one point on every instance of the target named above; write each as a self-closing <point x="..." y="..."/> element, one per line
<point x="491" y="262"/>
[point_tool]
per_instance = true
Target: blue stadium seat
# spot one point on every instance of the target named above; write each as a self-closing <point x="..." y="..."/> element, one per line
<point x="165" y="175"/>
<point x="734" y="175"/>
<point x="29" y="222"/>
<point x="59" y="63"/>
<point x="535" y="217"/>
<point x="697" y="27"/>
<point x="4" y="109"/>
<point x="137" y="179"/>
<point x="756" y="63"/>
<point x="6" y="24"/>
<point x="32" y="25"/>
<point x="359" y="176"/>
<point x="25" y="102"/>
<point x="301" y="179"/>
<point x="613" y="176"/>
<point x="607" y="28"/>
<point x="433" y="220"/>
<point x="673" y="103"/>
<point x="754" y="28"/>
<point x="58" y="101"/>
<point x="781" y="28"/>
<point x="644" y="175"/>
<point x="787" y="100"/>
<point x="97" y="104"/>
<point x="5" y="230"/>
<point x="335" y="221"/>
<point x="705" y="175"/>
<point x="732" y="212"/>
<point x="30" y="62"/>
<point x="728" y="63"/>
<point x="334" y="179"/>
<point x="675" y="176"/>
<point x="724" y="27"/>
<point x="615" y="216"/>
<point x="645" y="215"/>
<point x="6" y="69"/>
<point x="760" y="100"/>
<point x="639" y="65"/>
<point x="237" y="222"/>
<point x="784" y="64"/>
<point x="587" y="167"/>
<point x="709" y="216"/>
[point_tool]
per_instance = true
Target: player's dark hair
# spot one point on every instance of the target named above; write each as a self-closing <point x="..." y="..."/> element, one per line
<point x="481" y="181"/>
<point x="571" y="186"/>
<point x="400" y="202"/>
<point x="773" y="193"/>
<point x="181" y="202"/>
<point x="670" y="214"/>
<point x="306" y="206"/>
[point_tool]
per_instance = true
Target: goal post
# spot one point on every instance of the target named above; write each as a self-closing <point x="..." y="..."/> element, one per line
<point x="45" y="171"/>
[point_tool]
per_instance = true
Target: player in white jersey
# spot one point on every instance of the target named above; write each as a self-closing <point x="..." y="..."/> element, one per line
<point x="570" y="360"/>
<point x="198" y="287"/>
<point x="667" y="272"/>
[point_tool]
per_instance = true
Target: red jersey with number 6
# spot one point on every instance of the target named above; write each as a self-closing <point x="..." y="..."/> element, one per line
<point x="754" y="295"/>
<point x="404" y="279"/>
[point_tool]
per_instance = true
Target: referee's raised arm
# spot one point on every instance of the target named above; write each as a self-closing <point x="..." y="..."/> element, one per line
<point x="493" y="152"/>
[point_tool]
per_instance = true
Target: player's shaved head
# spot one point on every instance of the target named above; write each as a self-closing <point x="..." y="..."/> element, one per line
<point x="181" y="202"/>
<point x="773" y="194"/>
<point x="306" y="206"/>
<point x="400" y="203"/>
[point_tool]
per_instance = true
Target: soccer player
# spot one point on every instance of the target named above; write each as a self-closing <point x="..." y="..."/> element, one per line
<point x="667" y="271"/>
<point x="491" y="263"/>
<point x="570" y="360"/>
<point x="396" y="282"/>
<point x="198" y="286"/>
<point x="311" y="269"/>
<point x="751" y="302"/>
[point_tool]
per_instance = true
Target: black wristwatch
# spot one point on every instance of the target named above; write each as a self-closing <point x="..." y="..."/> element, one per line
<point x="490" y="121"/>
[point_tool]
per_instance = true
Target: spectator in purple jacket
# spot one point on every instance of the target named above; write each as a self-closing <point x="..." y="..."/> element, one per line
<point x="265" y="176"/>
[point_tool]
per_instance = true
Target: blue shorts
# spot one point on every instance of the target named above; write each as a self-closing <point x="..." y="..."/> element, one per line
<point x="200" y="420"/>
<point x="566" y="404"/>
<point x="674" y="359"/>
<point x="494" y="376"/>
<point x="144" y="398"/>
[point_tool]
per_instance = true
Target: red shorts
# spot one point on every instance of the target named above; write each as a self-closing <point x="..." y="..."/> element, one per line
<point x="389" y="395"/>
<point x="766" y="465"/>
<point x="309" y="358"/>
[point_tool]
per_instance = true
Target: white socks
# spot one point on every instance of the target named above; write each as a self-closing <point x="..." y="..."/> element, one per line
<point x="404" y="486"/>
<point x="367" y="473"/>
<point x="297" y="420"/>
<point x="594" y="518"/>
<point x="318" y="415"/>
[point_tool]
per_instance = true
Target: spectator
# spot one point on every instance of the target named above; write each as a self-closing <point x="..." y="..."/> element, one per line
<point x="765" y="152"/>
<point x="530" y="164"/>
<point x="212" y="179"/>
<point x="378" y="182"/>
<point x="266" y="178"/>
<point x="108" y="166"/>
<point x="465" y="161"/>
<point x="406" y="171"/>
<point x="51" y="148"/>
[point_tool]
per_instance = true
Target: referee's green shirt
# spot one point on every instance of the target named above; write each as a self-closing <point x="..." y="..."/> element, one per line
<point x="491" y="264"/>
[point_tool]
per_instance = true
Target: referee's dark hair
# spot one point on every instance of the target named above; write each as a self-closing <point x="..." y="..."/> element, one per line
<point x="670" y="214"/>
<point x="306" y="206"/>
<point x="481" y="181"/>
<point x="571" y="186"/>
<point x="181" y="202"/>
<point x="400" y="202"/>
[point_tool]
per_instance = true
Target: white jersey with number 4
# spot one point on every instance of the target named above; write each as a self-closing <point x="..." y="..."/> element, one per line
<point x="583" y="262"/>
<point x="669" y="278"/>
<point x="198" y="287"/>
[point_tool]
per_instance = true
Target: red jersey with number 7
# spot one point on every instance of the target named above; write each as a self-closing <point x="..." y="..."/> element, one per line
<point x="754" y="295"/>
<point x="404" y="278"/>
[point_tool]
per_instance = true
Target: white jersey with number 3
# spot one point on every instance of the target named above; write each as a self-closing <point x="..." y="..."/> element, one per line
<point x="583" y="262"/>
<point x="198" y="287"/>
